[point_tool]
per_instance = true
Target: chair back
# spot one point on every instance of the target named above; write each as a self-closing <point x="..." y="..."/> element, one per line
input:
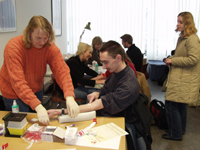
<point x="57" y="93"/>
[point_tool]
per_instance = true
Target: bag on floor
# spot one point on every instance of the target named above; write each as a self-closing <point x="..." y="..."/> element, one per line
<point x="157" y="108"/>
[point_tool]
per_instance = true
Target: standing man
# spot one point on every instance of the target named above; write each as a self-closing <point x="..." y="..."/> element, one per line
<point x="133" y="52"/>
<point x="22" y="73"/>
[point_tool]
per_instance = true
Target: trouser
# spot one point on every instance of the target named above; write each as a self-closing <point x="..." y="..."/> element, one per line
<point x="22" y="106"/>
<point x="81" y="92"/>
<point x="176" y="114"/>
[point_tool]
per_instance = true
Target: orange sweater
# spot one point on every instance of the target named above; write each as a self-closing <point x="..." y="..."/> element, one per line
<point x="23" y="70"/>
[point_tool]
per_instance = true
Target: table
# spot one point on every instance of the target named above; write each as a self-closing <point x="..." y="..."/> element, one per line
<point x="156" y="69"/>
<point x="19" y="144"/>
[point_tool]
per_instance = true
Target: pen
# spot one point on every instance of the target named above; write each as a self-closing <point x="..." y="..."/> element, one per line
<point x="72" y="125"/>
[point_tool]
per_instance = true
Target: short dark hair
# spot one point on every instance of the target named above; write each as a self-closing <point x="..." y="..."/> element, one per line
<point x="127" y="38"/>
<point x="113" y="48"/>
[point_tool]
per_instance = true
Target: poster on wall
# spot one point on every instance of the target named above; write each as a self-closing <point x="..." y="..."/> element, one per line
<point x="56" y="12"/>
<point x="7" y="16"/>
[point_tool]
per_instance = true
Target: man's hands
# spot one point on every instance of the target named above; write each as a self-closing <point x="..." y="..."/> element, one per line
<point x="72" y="107"/>
<point x="53" y="112"/>
<point x="93" y="96"/>
<point x="42" y="114"/>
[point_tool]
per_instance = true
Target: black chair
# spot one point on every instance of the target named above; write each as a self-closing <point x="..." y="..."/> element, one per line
<point x="2" y="106"/>
<point x="58" y="95"/>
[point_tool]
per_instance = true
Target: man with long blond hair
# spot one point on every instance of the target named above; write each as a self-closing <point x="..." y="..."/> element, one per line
<point x="25" y="61"/>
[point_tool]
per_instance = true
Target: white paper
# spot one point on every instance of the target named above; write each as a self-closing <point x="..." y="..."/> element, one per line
<point x="104" y="133"/>
<point x="109" y="144"/>
<point x="65" y="149"/>
<point x="81" y="117"/>
<point x="59" y="132"/>
<point x="108" y="136"/>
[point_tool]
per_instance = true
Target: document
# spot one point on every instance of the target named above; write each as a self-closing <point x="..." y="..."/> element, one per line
<point x="105" y="136"/>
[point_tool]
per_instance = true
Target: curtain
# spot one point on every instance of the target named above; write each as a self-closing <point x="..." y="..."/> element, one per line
<point x="7" y="16"/>
<point x="151" y="23"/>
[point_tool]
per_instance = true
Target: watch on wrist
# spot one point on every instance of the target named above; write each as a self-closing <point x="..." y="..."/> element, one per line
<point x="63" y="111"/>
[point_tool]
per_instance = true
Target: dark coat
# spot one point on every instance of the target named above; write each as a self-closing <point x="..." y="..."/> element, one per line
<point x="77" y="70"/>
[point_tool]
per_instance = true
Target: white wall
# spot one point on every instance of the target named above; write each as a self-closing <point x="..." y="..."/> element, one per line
<point x="25" y="9"/>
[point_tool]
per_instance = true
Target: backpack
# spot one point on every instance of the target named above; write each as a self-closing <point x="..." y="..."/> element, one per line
<point x="157" y="108"/>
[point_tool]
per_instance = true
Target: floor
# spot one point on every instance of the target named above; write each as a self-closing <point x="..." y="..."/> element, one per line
<point x="191" y="139"/>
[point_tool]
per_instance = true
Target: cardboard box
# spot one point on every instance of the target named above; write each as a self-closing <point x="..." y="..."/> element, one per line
<point x="47" y="134"/>
<point x="71" y="136"/>
<point x="51" y="132"/>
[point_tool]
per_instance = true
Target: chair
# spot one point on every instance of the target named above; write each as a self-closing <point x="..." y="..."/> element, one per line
<point x="144" y="86"/>
<point x="2" y="106"/>
<point x="144" y="70"/>
<point x="57" y="93"/>
<point x="138" y="120"/>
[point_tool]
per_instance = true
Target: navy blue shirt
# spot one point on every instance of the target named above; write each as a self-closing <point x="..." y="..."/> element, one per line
<point x="119" y="92"/>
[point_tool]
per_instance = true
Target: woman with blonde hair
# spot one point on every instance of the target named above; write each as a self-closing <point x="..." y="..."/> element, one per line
<point x="77" y="70"/>
<point x="25" y="61"/>
<point x="183" y="81"/>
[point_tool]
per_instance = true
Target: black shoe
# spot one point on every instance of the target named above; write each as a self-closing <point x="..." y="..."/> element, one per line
<point x="165" y="136"/>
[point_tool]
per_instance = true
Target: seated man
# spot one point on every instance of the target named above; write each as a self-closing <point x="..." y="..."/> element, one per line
<point x="120" y="90"/>
<point x="133" y="52"/>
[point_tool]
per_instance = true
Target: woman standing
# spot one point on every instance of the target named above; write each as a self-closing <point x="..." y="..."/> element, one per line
<point x="184" y="77"/>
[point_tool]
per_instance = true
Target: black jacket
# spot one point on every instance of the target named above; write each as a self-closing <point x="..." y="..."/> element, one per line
<point x="136" y="56"/>
<point x="139" y="115"/>
<point x="77" y="70"/>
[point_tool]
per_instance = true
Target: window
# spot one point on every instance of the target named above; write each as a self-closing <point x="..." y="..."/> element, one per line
<point x="7" y="16"/>
<point x="150" y="22"/>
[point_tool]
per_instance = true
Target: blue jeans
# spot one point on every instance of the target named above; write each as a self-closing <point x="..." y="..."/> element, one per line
<point x="81" y="92"/>
<point x="22" y="106"/>
<point x="132" y="132"/>
<point x="176" y="114"/>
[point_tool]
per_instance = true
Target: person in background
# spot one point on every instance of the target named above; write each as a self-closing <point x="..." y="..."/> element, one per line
<point x="183" y="81"/>
<point x="25" y="61"/>
<point x="119" y="91"/>
<point x="78" y="69"/>
<point x="96" y="45"/>
<point x="133" y="52"/>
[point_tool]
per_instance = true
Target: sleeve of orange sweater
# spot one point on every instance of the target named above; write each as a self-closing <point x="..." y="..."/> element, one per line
<point x="14" y="64"/>
<point x="60" y="71"/>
